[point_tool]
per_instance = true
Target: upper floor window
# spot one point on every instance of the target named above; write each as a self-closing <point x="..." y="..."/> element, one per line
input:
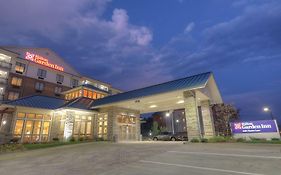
<point x="16" y="81"/>
<point x="74" y="83"/>
<point x="39" y="86"/>
<point x="58" y="90"/>
<point x="20" y="67"/>
<point x="13" y="95"/>
<point x="41" y="73"/>
<point x="59" y="78"/>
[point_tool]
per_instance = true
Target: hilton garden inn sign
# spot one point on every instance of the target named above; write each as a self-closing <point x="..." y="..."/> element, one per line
<point x="255" y="129"/>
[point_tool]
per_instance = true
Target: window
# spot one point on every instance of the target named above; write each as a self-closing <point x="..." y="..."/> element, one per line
<point x="20" y="67"/>
<point x="60" y="78"/>
<point x="16" y="81"/>
<point x="39" y="86"/>
<point x="102" y="126"/>
<point x="32" y="127"/>
<point x="41" y="73"/>
<point x="13" y="95"/>
<point x="58" y="90"/>
<point x="74" y="82"/>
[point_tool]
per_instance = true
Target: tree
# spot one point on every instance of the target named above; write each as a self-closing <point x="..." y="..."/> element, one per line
<point x="223" y="114"/>
<point x="155" y="128"/>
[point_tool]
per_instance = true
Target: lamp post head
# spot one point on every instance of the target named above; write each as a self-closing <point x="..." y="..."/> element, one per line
<point x="266" y="109"/>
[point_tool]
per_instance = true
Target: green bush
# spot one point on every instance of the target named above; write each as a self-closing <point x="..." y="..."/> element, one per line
<point x="204" y="140"/>
<point x="258" y="140"/>
<point x="11" y="147"/>
<point x="194" y="140"/>
<point x="217" y="139"/>
<point x="56" y="139"/>
<point x="275" y="139"/>
<point x="72" y="139"/>
<point x="240" y="140"/>
<point x="81" y="139"/>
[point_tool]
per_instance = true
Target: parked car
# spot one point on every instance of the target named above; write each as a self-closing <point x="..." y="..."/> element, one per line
<point x="168" y="136"/>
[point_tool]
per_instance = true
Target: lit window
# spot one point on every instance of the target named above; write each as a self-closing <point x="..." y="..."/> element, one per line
<point x="60" y="78"/>
<point x="58" y="90"/>
<point x="90" y="94"/>
<point x="94" y="95"/>
<point x="41" y="73"/>
<point x="13" y="95"/>
<point x="16" y="81"/>
<point x="85" y="93"/>
<point x="98" y="95"/>
<point x="18" y="127"/>
<point x="39" y="86"/>
<point x="20" y="67"/>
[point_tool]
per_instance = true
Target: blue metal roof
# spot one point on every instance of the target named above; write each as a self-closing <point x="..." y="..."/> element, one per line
<point x="38" y="101"/>
<point x="191" y="82"/>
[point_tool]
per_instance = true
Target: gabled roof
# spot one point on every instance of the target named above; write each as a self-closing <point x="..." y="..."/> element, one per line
<point x="38" y="101"/>
<point x="79" y="103"/>
<point x="192" y="82"/>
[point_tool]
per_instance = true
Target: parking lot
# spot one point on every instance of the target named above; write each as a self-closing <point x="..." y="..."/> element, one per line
<point x="146" y="158"/>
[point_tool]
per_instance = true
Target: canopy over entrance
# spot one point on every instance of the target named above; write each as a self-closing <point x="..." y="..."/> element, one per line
<point x="165" y="96"/>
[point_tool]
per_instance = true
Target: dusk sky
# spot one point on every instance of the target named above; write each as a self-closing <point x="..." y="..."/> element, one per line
<point x="136" y="43"/>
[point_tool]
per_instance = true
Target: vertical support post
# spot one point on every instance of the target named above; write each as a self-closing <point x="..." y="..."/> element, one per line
<point x="191" y="114"/>
<point x="207" y="117"/>
<point x="68" y="126"/>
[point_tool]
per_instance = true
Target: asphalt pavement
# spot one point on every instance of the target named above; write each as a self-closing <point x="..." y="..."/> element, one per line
<point x="146" y="158"/>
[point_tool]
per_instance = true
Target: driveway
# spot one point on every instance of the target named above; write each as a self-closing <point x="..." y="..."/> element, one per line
<point x="146" y="158"/>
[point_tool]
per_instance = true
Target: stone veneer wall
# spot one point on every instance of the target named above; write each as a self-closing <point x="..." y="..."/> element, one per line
<point x="207" y="117"/>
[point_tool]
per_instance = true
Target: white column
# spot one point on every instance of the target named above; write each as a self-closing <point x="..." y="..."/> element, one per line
<point x="68" y="126"/>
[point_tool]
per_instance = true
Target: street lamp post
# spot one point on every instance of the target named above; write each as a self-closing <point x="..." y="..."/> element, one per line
<point x="267" y="109"/>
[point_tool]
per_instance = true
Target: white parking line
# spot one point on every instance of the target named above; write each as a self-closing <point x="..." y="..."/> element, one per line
<point x="197" y="167"/>
<point x="221" y="154"/>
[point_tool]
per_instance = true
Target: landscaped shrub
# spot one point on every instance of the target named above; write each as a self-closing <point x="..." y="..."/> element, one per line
<point x="56" y="139"/>
<point x="15" y="140"/>
<point x="11" y="148"/>
<point x="217" y="139"/>
<point x="204" y="140"/>
<point x="275" y="139"/>
<point x="72" y="139"/>
<point x="194" y="140"/>
<point x="240" y="140"/>
<point x="81" y="139"/>
<point x="258" y="140"/>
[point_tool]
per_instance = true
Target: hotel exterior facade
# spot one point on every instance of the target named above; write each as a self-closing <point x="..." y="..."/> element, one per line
<point x="44" y="99"/>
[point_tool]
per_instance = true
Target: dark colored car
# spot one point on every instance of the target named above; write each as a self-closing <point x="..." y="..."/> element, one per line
<point x="167" y="136"/>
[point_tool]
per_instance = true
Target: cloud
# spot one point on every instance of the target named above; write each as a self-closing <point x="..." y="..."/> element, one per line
<point x="254" y="35"/>
<point x="189" y="27"/>
<point x="113" y="49"/>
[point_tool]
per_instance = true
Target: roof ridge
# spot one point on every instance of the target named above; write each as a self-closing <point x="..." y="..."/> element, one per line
<point x="210" y="72"/>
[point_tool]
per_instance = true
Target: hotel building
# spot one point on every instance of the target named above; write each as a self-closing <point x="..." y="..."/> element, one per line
<point x="44" y="98"/>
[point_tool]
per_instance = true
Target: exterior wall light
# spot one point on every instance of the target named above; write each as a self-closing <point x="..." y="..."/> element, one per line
<point x="180" y="102"/>
<point x="4" y="122"/>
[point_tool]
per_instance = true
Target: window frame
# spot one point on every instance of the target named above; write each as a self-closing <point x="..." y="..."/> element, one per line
<point x="18" y="81"/>
<point x="39" y="89"/>
<point x="19" y="66"/>
<point x="41" y="73"/>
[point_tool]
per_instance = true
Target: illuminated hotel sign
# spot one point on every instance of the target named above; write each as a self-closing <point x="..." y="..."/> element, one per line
<point x="41" y="60"/>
